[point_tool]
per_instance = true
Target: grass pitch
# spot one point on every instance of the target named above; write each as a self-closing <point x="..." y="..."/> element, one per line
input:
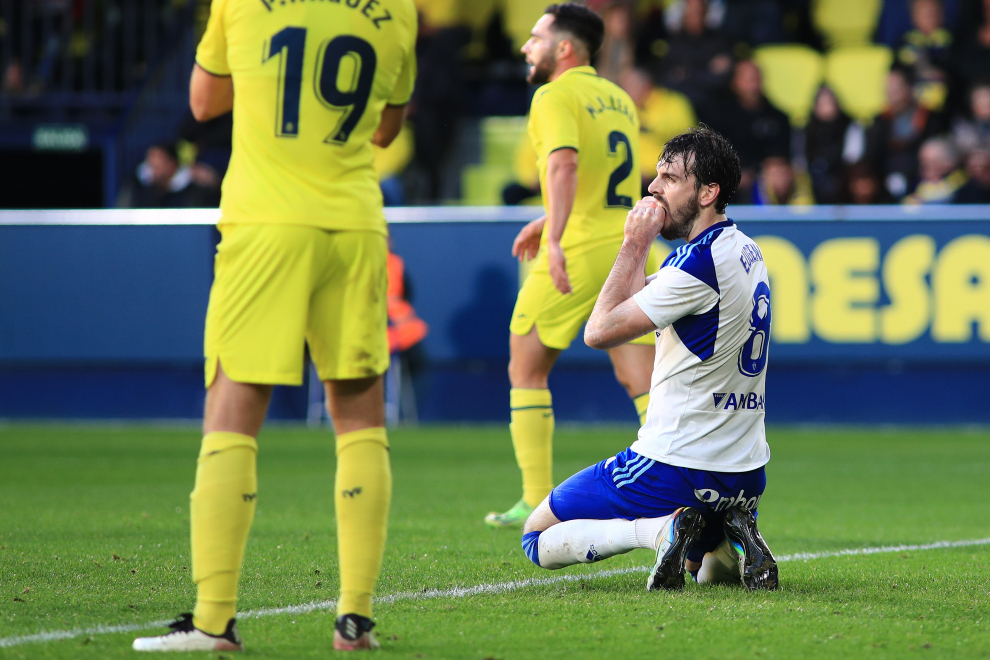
<point x="94" y="532"/>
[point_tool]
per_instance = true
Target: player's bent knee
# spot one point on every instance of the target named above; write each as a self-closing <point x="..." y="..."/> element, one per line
<point x="541" y="519"/>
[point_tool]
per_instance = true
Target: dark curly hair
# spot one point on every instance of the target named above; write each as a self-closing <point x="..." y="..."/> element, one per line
<point x="580" y="22"/>
<point x="710" y="158"/>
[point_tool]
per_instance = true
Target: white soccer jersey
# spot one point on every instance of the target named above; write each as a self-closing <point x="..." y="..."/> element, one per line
<point x="711" y="305"/>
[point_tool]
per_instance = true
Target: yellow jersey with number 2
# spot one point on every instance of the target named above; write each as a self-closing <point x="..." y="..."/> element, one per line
<point x="580" y="110"/>
<point x="310" y="82"/>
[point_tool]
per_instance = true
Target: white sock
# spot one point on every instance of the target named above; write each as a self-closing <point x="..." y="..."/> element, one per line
<point x="720" y="566"/>
<point x="648" y="531"/>
<point x="587" y="541"/>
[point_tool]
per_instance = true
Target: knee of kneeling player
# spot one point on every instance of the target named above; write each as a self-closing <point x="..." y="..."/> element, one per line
<point x="531" y="546"/>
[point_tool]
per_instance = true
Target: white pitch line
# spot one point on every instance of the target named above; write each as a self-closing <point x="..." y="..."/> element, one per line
<point x="463" y="592"/>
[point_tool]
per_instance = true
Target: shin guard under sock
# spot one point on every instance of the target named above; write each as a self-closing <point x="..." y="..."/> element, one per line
<point x="221" y="512"/>
<point x="362" y="494"/>
<point x="532" y="438"/>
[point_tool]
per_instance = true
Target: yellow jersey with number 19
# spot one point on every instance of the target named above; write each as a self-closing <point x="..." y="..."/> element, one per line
<point x="580" y="110"/>
<point x="310" y="82"/>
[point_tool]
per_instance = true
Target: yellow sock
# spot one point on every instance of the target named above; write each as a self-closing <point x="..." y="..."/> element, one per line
<point x="642" y="402"/>
<point x="532" y="437"/>
<point x="363" y="492"/>
<point x="221" y="509"/>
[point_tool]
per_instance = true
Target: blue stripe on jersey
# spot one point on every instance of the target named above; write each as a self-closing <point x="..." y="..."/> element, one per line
<point x="698" y="332"/>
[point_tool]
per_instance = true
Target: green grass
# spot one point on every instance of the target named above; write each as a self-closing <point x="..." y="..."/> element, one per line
<point x="94" y="530"/>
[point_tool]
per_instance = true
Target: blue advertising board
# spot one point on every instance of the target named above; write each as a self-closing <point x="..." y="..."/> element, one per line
<point x="883" y="310"/>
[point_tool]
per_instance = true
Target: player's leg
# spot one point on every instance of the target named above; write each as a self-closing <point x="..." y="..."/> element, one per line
<point x="531" y="425"/>
<point x="349" y="345"/>
<point x="581" y="521"/>
<point x="362" y="496"/>
<point x="254" y="333"/>
<point x="633" y="366"/>
<point x="223" y="500"/>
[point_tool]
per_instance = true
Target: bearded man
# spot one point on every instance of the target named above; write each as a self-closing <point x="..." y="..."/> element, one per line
<point x="689" y="487"/>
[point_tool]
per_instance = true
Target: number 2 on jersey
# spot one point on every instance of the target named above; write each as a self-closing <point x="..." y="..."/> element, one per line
<point x="620" y="173"/>
<point x="345" y="59"/>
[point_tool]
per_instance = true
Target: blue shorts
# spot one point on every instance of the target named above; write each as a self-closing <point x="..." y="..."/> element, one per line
<point x="631" y="486"/>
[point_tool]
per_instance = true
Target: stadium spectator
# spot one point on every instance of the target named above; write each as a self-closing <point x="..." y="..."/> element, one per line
<point x="663" y="113"/>
<point x="895" y="137"/>
<point x="926" y="51"/>
<point x="825" y="137"/>
<point x="974" y="132"/>
<point x="754" y="126"/>
<point x="616" y="54"/>
<point x="972" y="52"/>
<point x="938" y="161"/>
<point x="977" y="189"/>
<point x="698" y="62"/>
<point x="755" y="22"/>
<point x="863" y="186"/>
<point x="161" y="182"/>
<point x="438" y="103"/>
<point x="779" y="184"/>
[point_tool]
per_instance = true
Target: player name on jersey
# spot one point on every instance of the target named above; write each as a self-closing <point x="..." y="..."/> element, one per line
<point x="614" y="105"/>
<point x="371" y="9"/>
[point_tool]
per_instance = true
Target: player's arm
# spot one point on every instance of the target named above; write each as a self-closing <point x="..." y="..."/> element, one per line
<point x="562" y="167"/>
<point x="210" y="94"/>
<point x="617" y="318"/>
<point x="393" y="116"/>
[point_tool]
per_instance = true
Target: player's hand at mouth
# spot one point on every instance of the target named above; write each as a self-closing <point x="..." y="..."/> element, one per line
<point x="527" y="242"/>
<point x="558" y="267"/>
<point x="644" y="221"/>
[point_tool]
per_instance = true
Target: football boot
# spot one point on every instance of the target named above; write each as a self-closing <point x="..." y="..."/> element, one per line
<point x="757" y="567"/>
<point x="187" y="637"/>
<point x="352" y="632"/>
<point x="676" y="538"/>
<point x="514" y="517"/>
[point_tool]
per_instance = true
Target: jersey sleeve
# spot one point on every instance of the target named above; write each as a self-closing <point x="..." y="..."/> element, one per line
<point x="211" y="54"/>
<point x="554" y="122"/>
<point x="403" y="89"/>
<point x="674" y="294"/>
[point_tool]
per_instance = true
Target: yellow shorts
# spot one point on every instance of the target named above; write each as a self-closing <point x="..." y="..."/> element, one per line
<point x="558" y="318"/>
<point x="279" y="286"/>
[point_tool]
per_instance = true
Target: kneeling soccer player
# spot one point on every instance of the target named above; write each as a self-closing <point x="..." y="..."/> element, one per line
<point x="689" y="486"/>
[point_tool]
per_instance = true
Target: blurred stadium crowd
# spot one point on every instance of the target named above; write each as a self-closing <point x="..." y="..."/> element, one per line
<point x="827" y="101"/>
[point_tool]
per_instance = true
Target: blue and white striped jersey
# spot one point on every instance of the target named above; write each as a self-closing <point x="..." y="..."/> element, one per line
<point x="711" y="305"/>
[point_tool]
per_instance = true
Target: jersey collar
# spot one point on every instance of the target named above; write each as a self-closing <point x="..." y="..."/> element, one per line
<point x="717" y="225"/>
<point x="579" y="69"/>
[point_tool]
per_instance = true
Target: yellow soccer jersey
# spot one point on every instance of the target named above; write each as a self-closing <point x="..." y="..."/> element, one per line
<point x="310" y="82"/>
<point x="582" y="111"/>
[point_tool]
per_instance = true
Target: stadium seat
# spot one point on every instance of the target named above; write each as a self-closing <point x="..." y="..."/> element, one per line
<point x="858" y="74"/>
<point x="518" y="19"/>
<point x="482" y="184"/>
<point x="791" y="76"/>
<point x="846" y="22"/>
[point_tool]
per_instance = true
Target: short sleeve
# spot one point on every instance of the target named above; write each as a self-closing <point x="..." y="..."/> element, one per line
<point x="403" y="89"/>
<point x="554" y="124"/>
<point x="674" y="294"/>
<point x="211" y="55"/>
